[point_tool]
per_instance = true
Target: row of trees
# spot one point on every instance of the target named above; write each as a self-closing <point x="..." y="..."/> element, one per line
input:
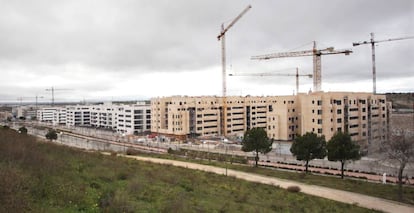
<point x="306" y="148"/>
<point x="339" y="148"/>
<point x="398" y="150"/>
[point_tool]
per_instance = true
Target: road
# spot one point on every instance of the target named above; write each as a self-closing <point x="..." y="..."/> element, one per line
<point x="332" y="194"/>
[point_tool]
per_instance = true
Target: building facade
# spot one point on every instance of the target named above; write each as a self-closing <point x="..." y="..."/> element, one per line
<point x="47" y="114"/>
<point x="125" y="119"/>
<point x="78" y="115"/>
<point x="134" y="119"/>
<point x="363" y="115"/>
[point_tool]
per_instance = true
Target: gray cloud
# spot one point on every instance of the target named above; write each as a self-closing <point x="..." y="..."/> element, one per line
<point x="94" y="45"/>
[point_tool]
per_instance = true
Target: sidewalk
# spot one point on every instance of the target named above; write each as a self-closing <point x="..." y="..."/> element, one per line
<point x="333" y="194"/>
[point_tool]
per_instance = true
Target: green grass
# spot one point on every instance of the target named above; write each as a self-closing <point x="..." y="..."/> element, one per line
<point x="388" y="191"/>
<point x="43" y="177"/>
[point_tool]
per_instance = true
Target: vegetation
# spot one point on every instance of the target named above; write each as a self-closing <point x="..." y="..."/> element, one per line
<point x="341" y="148"/>
<point x="43" y="177"/>
<point x="400" y="149"/>
<point x="388" y="191"/>
<point x="195" y="154"/>
<point x="51" y="134"/>
<point x="23" y="130"/>
<point x="256" y="140"/>
<point x="308" y="147"/>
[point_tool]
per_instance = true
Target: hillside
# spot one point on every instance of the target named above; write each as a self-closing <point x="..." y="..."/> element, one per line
<point x="44" y="177"/>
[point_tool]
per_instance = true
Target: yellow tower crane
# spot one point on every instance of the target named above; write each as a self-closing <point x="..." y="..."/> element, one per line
<point x="276" y="74"/>
<point x="221" y="37"/>
<point x="317" y="75"/>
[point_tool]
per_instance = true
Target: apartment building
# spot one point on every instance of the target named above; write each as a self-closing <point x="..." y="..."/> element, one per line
<point x="105" y="115"/>
<point x="27" y="112"/>
<point x="47" y="114"/>
<point x="59" y="116"/>
<point x="134" y="119"/>
<point x="123" y="118"/>
<point x="78" y="115"/>
<point x="363" y="115"/>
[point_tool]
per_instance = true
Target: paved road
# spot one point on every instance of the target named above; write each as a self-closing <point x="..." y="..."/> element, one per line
<point x="333" y="194"/>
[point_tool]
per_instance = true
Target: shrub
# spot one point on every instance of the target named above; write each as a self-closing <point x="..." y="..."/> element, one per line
<point x="132" y="151"/>
<point x="294" y="189"/>
<point x="23" y="130"/>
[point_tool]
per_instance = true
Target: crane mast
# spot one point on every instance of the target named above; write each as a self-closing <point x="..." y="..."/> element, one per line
<point x="297" y="75"/>
<point x="372" y="42"/>
<point x="52" y="89"/>
<point x="36" y="97"/>
<point x="316" y="53"/>
<point x="222" y="37"/>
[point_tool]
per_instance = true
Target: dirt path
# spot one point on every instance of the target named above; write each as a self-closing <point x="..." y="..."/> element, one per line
<point x="333" y="194"/>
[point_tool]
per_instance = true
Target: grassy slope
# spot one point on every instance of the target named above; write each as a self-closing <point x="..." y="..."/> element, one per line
<point x="388" y="191"/>
<point x="42" y="177"/>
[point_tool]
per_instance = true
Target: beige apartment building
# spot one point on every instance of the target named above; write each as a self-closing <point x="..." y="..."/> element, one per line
<point x="363" y="115"/>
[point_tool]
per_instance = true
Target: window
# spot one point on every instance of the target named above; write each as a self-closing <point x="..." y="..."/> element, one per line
<point x="339" y="111"/>
<point x="319" y="112"/>
<point x="319" y="121"/>
<point x="319" y="130"/>
<point x="339" y="120"/>
<point x="319" y="102"/>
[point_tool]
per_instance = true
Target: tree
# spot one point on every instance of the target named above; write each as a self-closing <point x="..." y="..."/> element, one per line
<point x="308" y="147"/>
<point x="23" y="130"/>
<point x="51" y="135"/>
<point x="400" y="149"/>
<point x="341" y="148"/>
<point x="256" y="140"/>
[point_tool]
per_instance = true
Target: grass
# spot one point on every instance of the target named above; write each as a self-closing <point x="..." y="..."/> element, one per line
<point x="44" y="177"/>
<point x="388" y="191"/>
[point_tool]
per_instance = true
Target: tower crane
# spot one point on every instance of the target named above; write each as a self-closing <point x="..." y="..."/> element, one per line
<point x="52" y="89"/>
<point x="222" y="37"/>
<point x="275" y="74"/>
<point x="36" y="97"/>
<point x="372" y="42"/>
<point x="317" y="76"/>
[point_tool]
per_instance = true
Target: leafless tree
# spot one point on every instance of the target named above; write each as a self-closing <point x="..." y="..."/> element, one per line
<point x="400" y="150"/>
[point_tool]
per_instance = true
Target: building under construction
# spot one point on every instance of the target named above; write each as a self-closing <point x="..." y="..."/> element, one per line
<point x="363" y="115"/>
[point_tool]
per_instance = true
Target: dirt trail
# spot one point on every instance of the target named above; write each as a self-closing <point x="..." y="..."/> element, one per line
<point x="333" y="194"/>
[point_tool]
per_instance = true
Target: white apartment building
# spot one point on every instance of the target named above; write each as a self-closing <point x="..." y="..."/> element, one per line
<point x="78" y="115"/>
<point x="363" y="115"/>
<point x="105" y="115"/>
<point x="59" y="116"/>
<point x="134" y="119"/>
<point x="27" y="112"/>
<point x="123" y="118"/>
<point x="47" y="114"/>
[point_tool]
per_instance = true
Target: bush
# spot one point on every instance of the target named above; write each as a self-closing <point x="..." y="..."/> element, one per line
<point x="23" y="130"/>
<point x="132" y="151"/>
<point x="51" y="134"/>
<point x="294" y="189"/>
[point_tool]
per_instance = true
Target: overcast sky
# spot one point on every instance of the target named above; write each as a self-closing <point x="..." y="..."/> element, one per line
<point x="138" y="49"/>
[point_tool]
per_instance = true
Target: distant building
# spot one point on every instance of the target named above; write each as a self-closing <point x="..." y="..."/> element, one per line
<point x="105" y="115"/>
<point x="123" y="118"/>
<point x="134" y="119"/>
<point x="47" y="114"/>
<point x="78" y="115"/>
<point x="59" y="116"/>
<point x="25" y="112"/>
<point x="363" y="115"/>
